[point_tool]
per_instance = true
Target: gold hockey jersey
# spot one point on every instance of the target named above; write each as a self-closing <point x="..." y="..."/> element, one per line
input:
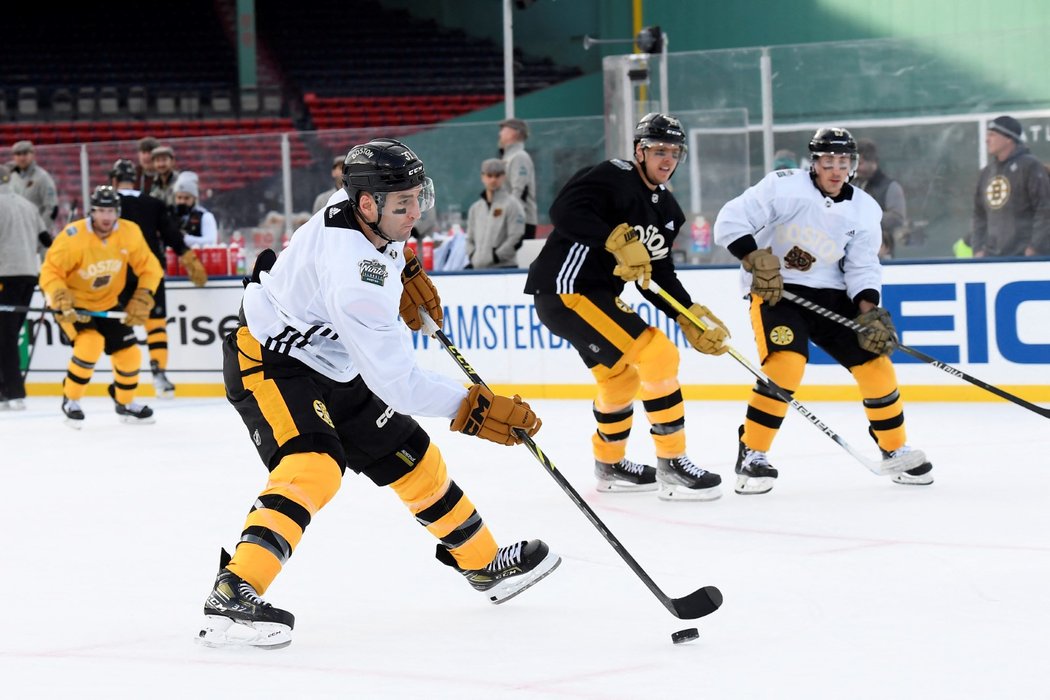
<point x="96" y="269"/>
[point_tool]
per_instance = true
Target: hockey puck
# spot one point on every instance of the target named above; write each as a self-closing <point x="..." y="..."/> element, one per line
<point x="684" y="636"/>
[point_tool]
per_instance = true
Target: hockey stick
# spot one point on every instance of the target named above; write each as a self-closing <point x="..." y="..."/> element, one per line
<point x="853" y="325"/>
<point x="32" y="344"/>
<point x="697" y="604"/>
<point x="82" y="312"/>
<point x="882" y="467"/>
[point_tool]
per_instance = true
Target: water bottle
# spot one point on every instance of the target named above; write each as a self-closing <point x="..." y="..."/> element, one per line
<point x="428" y="253"/>
<point x="411" y="243"/>
<point x="231" y="257"/>
<point x="242" y="262"/>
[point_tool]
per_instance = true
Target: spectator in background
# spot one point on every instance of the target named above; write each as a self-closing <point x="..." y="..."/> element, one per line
<point x="163" y="187"/>
<point x="22" y="231"/>
<point x="521" y="175"/>
<point x="785" y="160"/>
<point x="496" y="222"/>
<point x="145" y="173"/>
<point x="196" y="224"/>
<point x="887" y="192"/>
<point x="337" y="184"/>
<point x="1011" y="214"/>
<point x="33" y="182"/>
<point x="160" y="231"/>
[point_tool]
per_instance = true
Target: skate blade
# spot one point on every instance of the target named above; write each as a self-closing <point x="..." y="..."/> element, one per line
<point x="896" y="465"/>
<point x="74" y="424"/>
<point x="677" y="492"/>
<point x="754" y="485"/>
<point x="617" y="486"/>
<point x="909" y="480"/>
<point x="131" y="420"/>
<point x="510" y="588"/>
<point x="220" y="632"/>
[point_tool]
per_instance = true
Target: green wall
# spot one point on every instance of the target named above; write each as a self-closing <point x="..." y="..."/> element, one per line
<point x="553" y="28"/>
<point x="973" y="39"/>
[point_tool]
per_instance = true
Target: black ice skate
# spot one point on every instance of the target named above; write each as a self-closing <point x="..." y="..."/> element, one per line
<point x="754" y="472"/>
<point x="625" y="475"/>
<point x="235" y="615"/>
<point x="682" y="480"/>
<point x="919" y="476"/>
<point x="514" y="569"/>
<point x="74" y="414"/>
<point x="162" y="386"/>
<point x="132" y="413"/>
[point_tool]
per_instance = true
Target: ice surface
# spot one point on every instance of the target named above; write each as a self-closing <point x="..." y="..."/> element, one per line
<point x="838" y="584"/>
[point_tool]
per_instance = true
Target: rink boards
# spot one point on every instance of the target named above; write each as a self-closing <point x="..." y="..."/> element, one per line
<point x="988" y="319"/>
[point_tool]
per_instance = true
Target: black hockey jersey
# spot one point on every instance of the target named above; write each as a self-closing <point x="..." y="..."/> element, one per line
<point x="591" y="204"/>
<point x="151" y="214"/>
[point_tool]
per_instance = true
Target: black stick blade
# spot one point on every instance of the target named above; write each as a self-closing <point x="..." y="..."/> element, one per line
<point x="698" y="603"/>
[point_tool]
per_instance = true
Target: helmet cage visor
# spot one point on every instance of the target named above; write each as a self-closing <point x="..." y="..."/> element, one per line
<point x="426" y="196"/>
<point x="834" y="156"/>
<point x="679" y="151"/>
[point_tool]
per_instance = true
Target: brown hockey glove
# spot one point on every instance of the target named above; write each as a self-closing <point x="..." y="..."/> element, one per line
<point x="710" y="341"/>
<point x="879" y="336"/>
<point x="194" y="268"/>
<point x="632" y="257"/>
<point x="766" y="281"/>
<point x="419" y="291"/>
<point x="494" y="418"/>
<point x="138" y="307"/>
<point x="62" y="301"/>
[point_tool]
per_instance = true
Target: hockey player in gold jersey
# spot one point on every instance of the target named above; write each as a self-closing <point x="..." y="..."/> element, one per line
<point x="86" y="268"/>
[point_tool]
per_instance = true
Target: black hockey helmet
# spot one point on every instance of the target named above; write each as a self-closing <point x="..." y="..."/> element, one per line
<point x="105" y="196"/>
<point x="123" y="171"/>
<point x="656" y="128"/>
<point x="834" y="140"/>
<point x="385" y="165"/>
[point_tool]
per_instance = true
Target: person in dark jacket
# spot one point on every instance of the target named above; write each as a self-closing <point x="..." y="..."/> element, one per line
<point x="887" y="192"/>
<point x="1011" y="215"/>
<point x="161" y="232"/>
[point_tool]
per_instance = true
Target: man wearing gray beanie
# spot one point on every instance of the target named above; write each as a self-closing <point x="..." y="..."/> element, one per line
<point x="197" y="224"/>
<point x="1011" y="215"/>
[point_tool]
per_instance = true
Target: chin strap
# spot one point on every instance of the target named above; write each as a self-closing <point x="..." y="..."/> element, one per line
<point x="373" y="226"/>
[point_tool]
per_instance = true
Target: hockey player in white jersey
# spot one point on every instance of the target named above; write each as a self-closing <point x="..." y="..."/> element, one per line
<point x="814" y="234"/>
<point x="323" y="374"/>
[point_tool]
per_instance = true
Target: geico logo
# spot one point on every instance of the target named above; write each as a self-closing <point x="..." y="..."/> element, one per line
<point x="104" y="267"/>
<point x="655" y="241"/>
<point x="813" y="241"/>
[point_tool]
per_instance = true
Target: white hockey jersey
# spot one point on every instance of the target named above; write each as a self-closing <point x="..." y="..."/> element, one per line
<point x="331" y="301"/>
<point x="821" y="243"/>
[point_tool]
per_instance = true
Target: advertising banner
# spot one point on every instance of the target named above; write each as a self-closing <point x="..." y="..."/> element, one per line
<point x="989" y="319"/>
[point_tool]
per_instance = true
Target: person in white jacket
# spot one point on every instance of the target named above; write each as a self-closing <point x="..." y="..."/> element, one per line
<point x="811" y="232"/>
<point x="197" y="224"/>
<point x="495" y="222"/>
<point x="323" y="374"/>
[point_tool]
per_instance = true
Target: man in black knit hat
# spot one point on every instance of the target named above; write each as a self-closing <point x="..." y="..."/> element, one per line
<point x="1011" y="215"/>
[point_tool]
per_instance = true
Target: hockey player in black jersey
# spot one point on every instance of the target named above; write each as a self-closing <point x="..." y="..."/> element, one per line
<point x="161" y="232"/>
<point x="615" y="222"/>
<point x="323" y="375"/>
